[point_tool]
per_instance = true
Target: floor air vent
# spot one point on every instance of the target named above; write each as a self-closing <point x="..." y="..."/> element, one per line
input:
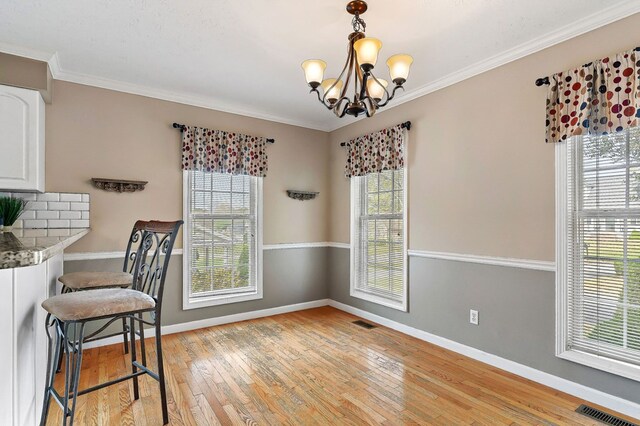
<point x="363" y="324"/>
<point x="602" y="416"/>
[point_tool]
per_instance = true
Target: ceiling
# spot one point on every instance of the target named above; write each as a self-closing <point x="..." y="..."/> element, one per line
<point x="244" y="56"/>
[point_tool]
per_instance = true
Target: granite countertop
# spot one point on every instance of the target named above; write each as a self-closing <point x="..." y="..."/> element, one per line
<point x="26" y="247"/>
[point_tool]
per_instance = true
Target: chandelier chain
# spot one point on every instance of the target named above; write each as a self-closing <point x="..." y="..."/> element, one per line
<point x="359" y="25"/>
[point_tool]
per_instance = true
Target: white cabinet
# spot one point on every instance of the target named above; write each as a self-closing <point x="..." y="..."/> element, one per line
<point x="21" y="139"/>
<point x="23" y="348"/>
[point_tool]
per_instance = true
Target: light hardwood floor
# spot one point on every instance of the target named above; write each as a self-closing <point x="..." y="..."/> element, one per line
<point x="314" y="367"/>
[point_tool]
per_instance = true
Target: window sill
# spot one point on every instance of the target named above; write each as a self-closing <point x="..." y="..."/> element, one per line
<point x="369" y="297"/>
<point x="203" y="302"/>
<point x="609" y="365"/>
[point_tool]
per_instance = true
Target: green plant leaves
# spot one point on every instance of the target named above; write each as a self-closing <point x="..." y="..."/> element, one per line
<point x="11" y="209"/>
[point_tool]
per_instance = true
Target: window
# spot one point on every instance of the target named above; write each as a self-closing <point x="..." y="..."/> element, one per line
<point x="378" y="241"/>
<point x="222" y="239"/>
<point x="598" y="265"/>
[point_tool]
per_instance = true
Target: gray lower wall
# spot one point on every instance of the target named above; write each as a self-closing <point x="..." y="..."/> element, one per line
<point x="516" y="310"/>
<point x="289" y="276"/>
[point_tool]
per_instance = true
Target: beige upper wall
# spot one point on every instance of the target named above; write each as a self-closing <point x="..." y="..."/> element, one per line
<point x="92" y="132"/>
<point x="481" y="177"/>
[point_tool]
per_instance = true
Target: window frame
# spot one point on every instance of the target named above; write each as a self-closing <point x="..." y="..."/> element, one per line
<point x="609" y="365"/>
<point x="403" y="305"/>
<point x="189" y="302"/>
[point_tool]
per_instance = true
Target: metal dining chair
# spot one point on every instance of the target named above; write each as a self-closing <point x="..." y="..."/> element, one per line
<point x="69" y="313"/>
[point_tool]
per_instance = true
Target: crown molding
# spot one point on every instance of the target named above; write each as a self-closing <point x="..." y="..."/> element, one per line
<point x="25" y="52"/>
<point x="582" y="26"/>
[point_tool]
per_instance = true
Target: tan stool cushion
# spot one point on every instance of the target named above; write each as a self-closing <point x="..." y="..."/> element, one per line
<point x="83" y="305"/>
<point x="87" y="280"/>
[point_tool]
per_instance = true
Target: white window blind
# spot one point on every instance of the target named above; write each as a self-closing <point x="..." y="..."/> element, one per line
<point x="603" y="246"/>
<point x="222" y="243"/>
<point x="378" y="237"/>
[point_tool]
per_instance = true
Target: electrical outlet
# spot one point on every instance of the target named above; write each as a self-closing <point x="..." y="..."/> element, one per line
<point x="474" y="318"/>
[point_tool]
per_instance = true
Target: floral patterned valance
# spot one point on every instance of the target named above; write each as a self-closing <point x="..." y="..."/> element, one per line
<point x="375" y="152"/>
<point x="223" y="152"/>
<point x="598" y="98"/>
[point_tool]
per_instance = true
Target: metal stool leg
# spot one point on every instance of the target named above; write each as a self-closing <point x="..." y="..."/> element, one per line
<point x="60" y="343"/>
<point x="134" y="369"/>
<point x="77" y="364"/>
<point x="143" y="349"/>
<point x="163" y="389"/>
<point x="53" y="359"/>
<point x="73" y="362"/>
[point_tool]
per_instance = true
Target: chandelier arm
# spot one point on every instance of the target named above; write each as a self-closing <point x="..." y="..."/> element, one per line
<point x="346" y="83"/>
<point x="344" y="111"/>
<point x="337" y="105"/>
<point x="317" y="93"/>
<point x="391" y="96"/>
<point x="380" y="103"/>
<point x="360" y="76"/>
<point x="371" y="105"/>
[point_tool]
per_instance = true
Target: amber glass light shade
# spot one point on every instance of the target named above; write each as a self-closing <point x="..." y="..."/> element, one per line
<point x="367" y="52"/>
<point x="399" y="66"/>
<point x="314" y="71"/>
<point x="376" y="91"/>
<point x="331" y="94"/>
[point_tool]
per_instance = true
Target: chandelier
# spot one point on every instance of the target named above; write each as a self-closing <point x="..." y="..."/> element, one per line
<point x="369" y="91"/>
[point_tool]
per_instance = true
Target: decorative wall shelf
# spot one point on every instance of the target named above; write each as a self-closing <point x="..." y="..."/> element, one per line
<point x="118" y="185"/>
<point x="301" y="195"/>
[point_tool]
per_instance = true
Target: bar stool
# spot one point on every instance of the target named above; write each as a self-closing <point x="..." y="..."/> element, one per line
<point x="80" y="281"/>
<point x="69" y="313"/>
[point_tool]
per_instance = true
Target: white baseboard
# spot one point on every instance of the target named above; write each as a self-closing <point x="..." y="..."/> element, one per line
<point x="210" y="322"/>
<point x="580" y="391"/>
<point x="598" y="397"/>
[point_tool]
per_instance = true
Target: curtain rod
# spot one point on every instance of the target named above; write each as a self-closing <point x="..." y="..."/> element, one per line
<point x="182" y="126"/>
<point x="545" y="80"/>
<point x="405" y="125"/>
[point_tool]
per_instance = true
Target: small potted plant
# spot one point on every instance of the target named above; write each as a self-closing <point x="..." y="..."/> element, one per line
<point x="10" y="210"/>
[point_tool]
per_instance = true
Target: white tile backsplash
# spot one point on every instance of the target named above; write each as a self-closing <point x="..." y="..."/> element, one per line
<point x="59" y="223"/>
<point x="71" y="197"/>
<point x="58" y="205"/>
<point x="80" y="206"/>
<point x="37" y="205"/>
<point x="34" y="223"/>
<point x="34" y="232"/>
<point x="45" y="214"/>
<point x="79" y="223"/>
<point x="71" y="214"/>
<point x="29" y="214"/>
<point x="48" y="196"/>
<point x="59" y="232"/>
<point x="53" y="210"/>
